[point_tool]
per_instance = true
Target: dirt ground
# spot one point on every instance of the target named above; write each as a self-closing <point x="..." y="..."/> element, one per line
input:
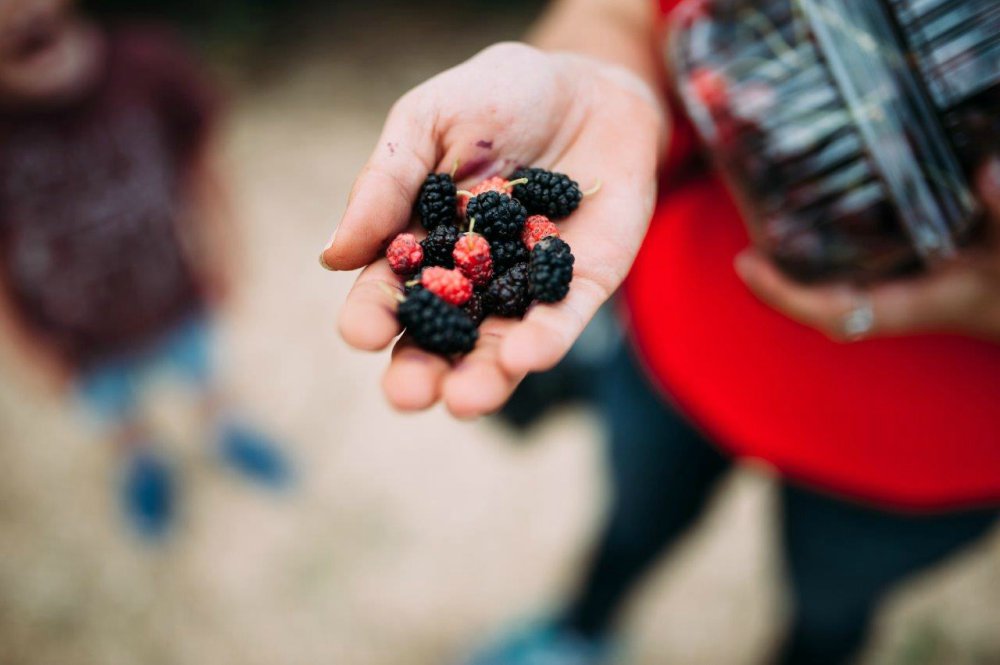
<point x="408" y="538"/>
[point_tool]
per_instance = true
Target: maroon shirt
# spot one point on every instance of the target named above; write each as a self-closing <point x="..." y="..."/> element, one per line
<point x="91" y="201"/>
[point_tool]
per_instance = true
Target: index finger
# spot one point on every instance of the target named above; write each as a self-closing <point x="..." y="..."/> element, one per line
<point x="819" y="306"/>
<point x="381" y="201"/>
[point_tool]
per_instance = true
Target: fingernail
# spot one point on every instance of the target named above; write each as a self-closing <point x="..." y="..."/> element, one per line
<point x="322" y="258"/>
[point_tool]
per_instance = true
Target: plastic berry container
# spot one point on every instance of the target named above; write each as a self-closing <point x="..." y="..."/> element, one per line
<point x="847" y="130"/>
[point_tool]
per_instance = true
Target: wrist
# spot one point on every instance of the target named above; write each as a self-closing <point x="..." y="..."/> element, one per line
<point x="621" y="32"/>
<point x="618" y="39"/>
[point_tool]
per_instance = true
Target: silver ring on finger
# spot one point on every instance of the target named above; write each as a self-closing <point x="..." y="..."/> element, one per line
<point x="860" y="319"/>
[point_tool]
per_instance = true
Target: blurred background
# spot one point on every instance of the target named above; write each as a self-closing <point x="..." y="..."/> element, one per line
<point x="401" y="540"/>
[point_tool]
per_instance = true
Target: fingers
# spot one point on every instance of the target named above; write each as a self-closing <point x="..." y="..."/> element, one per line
<point x="368" y="317"/>
<point x="959" y="297"/>
<point x="822" y="307"/>
<point x="415" y="379"/>
<point x="412" y="382"/>
<point x="953" y="299"/>
<point x="479" y="384"/>
<point x="548" y="331"/>
<point x="381" y="201"/>
<point x="950" y="299"/>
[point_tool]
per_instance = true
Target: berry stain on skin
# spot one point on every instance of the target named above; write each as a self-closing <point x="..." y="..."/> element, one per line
<point x="474" y="168"/>
<point x="483" y="143"/>
<point x="392" y="147"/>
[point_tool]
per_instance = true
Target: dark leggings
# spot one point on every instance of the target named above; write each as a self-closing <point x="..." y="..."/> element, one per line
<point x="841" y="557"/>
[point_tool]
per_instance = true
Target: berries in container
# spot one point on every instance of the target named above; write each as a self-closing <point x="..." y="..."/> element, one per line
<point x="847" y="130"/>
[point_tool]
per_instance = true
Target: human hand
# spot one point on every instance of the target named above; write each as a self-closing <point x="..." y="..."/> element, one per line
<point x="962" y="296"/>
<point x="509" y="105"/>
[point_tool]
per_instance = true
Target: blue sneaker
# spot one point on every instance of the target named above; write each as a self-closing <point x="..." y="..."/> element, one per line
<point x="254" y="456"/>
<point x="148" y="494"/>
<point x="545" y="644"/>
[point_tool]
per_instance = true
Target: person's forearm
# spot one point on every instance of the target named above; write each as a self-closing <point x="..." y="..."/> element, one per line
<point x="617" y="31"/>
<point x="621" y="33"/>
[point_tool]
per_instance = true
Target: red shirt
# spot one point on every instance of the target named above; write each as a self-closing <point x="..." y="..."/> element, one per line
<point x="909" y="422"/>
<point x="91" y="197"/>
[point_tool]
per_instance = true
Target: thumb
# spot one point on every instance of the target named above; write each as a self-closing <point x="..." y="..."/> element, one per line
<point x="381" y="201"/>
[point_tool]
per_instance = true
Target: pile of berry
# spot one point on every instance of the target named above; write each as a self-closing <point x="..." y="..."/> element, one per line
<point x="510" y="256"/>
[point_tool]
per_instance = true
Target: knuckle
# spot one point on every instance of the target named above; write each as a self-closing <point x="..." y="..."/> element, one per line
<point x="835" y="333"/>
<point x="410" y="106"/>
<point x="405" y="103"/>
<point x="416" y="108"/>
<point x="834" y="327"/>
<point x="509" y="51"/>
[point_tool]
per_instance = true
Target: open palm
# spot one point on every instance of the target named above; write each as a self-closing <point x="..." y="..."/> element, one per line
<point x="510" y="105"/>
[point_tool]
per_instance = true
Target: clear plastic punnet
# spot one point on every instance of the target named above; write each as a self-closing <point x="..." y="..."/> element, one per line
<point x="848" y="130"/>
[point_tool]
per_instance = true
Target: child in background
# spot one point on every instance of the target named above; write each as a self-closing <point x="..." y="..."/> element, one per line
<point x="111" y="230"/>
